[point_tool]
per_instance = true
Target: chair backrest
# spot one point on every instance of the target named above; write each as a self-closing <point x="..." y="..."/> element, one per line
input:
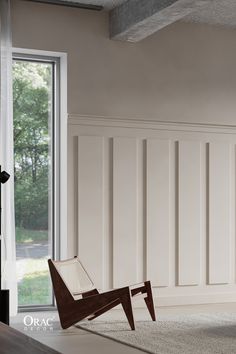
<point x="74" y="276"/>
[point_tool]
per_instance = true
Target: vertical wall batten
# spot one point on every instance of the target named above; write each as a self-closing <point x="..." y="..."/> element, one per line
<point x="219" y="212"/>
<point x="141" y="218"/>
<point x="91" y="206"/>
<point x="189" y="212"/>
<point x="158" y="211"/>
<point x="125" y="223"/>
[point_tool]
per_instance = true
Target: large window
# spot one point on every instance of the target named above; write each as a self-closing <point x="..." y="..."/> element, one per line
<point x="34" y="105"/>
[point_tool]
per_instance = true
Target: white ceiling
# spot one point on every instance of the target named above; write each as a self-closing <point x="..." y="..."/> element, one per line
<point x="218" y="12"/>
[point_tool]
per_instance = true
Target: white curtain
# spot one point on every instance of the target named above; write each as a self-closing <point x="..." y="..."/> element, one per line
<point x="7" y="158"/>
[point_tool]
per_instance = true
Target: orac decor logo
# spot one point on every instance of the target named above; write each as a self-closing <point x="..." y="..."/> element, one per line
<point x="32" y="323"/>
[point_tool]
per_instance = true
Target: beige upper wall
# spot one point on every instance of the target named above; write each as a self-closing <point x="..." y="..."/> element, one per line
<point x="185" y="72"/>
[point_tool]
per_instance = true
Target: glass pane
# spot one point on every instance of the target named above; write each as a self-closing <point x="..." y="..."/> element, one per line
<point x="33" y="109"/>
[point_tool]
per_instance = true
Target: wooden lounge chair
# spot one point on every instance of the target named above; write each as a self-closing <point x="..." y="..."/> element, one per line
<point x="77" y="298"/>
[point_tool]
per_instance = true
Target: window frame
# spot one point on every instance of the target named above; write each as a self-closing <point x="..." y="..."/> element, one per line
<point x="59" y="153"/>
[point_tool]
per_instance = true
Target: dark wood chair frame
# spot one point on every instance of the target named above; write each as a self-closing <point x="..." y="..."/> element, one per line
<point x="93" y="303"/>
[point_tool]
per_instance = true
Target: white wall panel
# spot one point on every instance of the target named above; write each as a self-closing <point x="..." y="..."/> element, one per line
<point x="125" y="211"/>
<point x="158" y="211"/>
<point x="219" y="212"/>
<point x="189" y="195"/>
<point x="91" y="206"/>
<point x="155" y="201"/>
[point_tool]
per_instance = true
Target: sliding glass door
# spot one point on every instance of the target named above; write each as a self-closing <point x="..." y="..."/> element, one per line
<point x="34" y="127"/>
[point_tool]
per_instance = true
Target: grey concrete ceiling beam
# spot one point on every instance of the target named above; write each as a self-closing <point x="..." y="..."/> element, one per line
<point x="136" y="19"/>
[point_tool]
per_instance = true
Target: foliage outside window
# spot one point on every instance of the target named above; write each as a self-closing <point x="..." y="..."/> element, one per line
<point x="32" y="106"/>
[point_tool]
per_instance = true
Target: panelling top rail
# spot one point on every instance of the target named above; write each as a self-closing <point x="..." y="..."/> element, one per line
<point x="76" y="119"/>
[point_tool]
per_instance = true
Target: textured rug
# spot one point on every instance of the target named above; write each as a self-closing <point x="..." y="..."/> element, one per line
<point x="213" y="333"/>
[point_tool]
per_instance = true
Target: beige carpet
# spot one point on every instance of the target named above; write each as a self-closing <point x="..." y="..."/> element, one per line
<point x="196" y="334"/>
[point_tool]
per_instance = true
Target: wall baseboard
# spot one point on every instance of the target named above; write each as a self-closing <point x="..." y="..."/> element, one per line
<point x="181" y="300"/>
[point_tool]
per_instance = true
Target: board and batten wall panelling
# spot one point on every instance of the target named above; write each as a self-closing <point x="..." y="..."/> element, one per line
<point x="158" y="211"/>
<point x="219" y="212"/>
<point x="156" y="203"/>
<point x="125" y="211"/>
<point x="189" y="213"/>
<point x="91" y="206"/>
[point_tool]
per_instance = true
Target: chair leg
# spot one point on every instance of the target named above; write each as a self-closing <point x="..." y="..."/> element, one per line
<point x="127" y="307"/>
<point x="149" y="300"/>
